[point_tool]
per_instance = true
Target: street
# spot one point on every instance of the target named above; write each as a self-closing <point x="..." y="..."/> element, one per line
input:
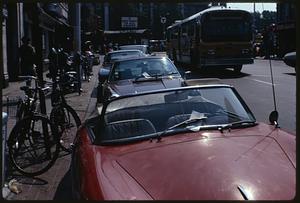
<point x="255" y="87"/>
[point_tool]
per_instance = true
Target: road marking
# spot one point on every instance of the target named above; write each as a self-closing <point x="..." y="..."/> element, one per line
<point x="268" y="83"/>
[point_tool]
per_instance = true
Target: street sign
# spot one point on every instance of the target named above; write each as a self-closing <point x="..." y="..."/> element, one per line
<point x="129" y="22"/>
<point x="163" y="20"/>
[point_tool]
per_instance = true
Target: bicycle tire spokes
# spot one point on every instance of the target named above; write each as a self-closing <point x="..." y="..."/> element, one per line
<point x="27" y="147"/>
<point x="67" y="121"/>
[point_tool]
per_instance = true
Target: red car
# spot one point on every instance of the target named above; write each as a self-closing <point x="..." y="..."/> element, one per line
<point x="188" y="143"/>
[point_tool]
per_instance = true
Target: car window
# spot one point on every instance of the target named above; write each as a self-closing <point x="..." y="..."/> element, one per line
<point x="123" y="55"/>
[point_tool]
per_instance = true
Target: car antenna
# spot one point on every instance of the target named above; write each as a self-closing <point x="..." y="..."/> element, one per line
<point x="273" y="117"/>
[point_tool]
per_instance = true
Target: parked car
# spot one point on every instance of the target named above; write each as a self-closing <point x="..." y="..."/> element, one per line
<point x="186" y="143"/>
<point x="112" y="56"/>
<point x="109" y="59"/>
<point x="137" y="75"/>
<point x="290" y="59"/>
<point x="143" y="48"/>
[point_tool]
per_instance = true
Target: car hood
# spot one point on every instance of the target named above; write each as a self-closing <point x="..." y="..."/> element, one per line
<point x="228" y="166"/>
<point x="124" y="87"/>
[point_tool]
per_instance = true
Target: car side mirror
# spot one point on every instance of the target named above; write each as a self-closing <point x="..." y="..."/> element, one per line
<point x="290" y="59"/>
<point x="187" y="74"/>
<point x="273" y="118"/>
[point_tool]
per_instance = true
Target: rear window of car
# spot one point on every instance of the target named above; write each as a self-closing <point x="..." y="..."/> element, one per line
<point x="122" y="55"/>
<point x="142" y="48"/>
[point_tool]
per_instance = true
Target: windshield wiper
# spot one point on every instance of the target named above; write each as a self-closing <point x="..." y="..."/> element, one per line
<point x="184" y="123"/>
<point x="238" y="124"/>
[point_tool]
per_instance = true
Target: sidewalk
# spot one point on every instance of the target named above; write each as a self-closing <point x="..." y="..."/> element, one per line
<point x="48" y="185"/>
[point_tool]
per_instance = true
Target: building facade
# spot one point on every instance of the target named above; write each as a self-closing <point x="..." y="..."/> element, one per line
<point x="19" y="19"/>
<point x="127" y="22"/>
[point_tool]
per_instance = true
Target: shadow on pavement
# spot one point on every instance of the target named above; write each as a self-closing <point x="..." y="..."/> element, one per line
<point x="64" y="189"/>
<point x="211" y="72"/>
<point x="219" y="73"/>
<point x="293" y="74"/>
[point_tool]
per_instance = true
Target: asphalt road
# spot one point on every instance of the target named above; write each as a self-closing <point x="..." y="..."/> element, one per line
<point x="255" y="87"/>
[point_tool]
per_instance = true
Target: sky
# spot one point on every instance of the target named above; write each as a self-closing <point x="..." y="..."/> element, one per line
<point x="259" y="7"/>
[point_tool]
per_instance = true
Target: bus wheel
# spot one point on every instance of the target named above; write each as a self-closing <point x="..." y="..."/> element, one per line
<point x="238" y="68"/>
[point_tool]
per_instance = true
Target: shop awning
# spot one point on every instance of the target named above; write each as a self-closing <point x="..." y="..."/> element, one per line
<point x="47" y="20"/>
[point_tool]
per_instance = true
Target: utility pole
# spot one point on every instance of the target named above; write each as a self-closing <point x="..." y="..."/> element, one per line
<point x="254" y="16"/>
<point x="77" y="31"/>
<point x="76" y="23"/>
<point x="37" y="43"/>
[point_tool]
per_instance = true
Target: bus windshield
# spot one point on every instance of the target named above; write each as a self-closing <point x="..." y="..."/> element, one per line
<point x="224" y="28"/>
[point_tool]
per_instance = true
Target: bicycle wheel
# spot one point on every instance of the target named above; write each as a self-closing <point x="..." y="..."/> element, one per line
<point x="67" y="121"/>
<point x="33" y="147"/>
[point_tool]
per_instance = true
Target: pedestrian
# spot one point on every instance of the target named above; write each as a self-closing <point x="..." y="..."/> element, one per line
<point x="27" y="55"/>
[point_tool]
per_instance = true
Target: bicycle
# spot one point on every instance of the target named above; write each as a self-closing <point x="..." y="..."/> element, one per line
<point x="33" y="142"/>
<point x="63" y="116"/>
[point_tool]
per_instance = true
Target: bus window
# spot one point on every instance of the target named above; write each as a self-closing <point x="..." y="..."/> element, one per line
<point x="232" y="28"/>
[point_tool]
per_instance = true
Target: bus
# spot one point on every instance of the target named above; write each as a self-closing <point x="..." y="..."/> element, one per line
<point x="218" y="36"/>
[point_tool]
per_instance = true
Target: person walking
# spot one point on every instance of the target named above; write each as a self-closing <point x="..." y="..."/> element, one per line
<point x="27" y="56"/>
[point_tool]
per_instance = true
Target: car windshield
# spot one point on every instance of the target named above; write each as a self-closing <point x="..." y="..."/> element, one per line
<point x="142" y="68"/>
<point x="147" y="115"/>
